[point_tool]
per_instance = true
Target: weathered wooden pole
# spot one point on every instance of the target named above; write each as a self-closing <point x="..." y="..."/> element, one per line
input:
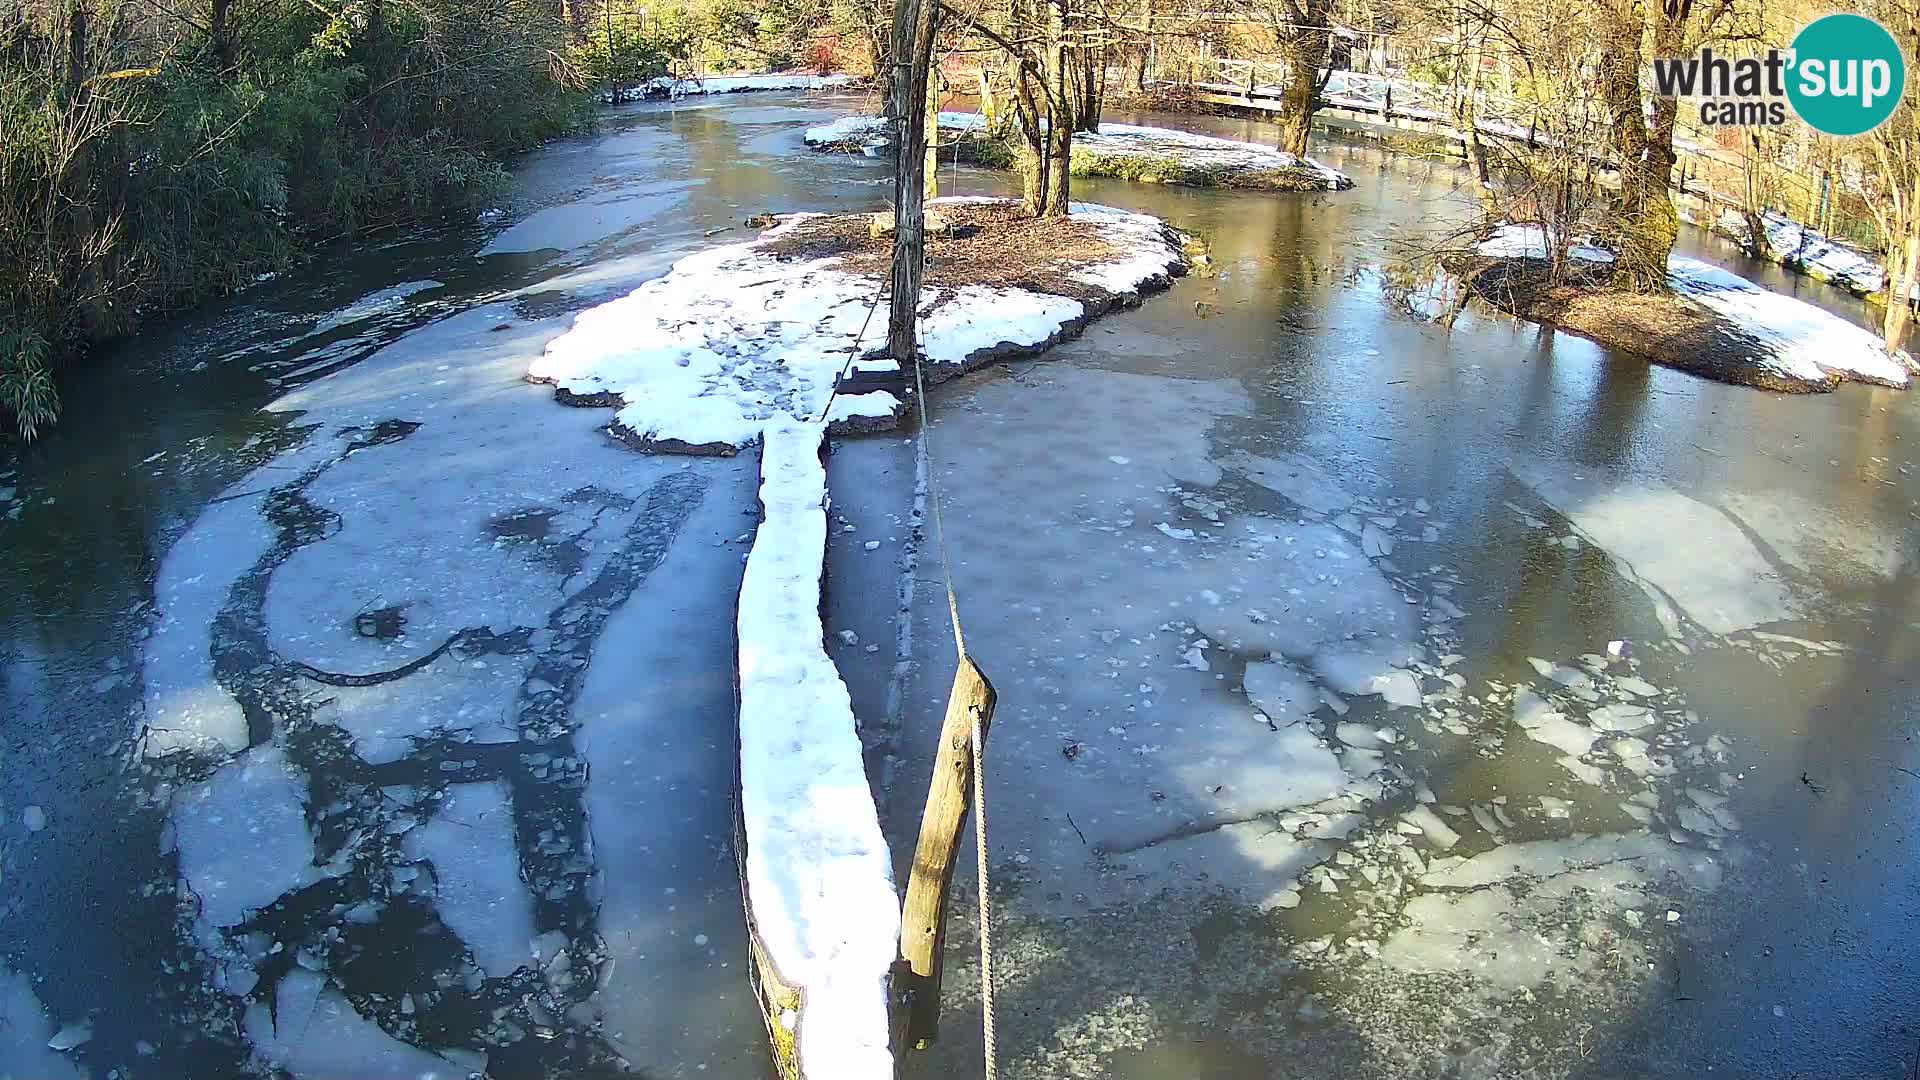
<point x="906" y="105"/>
<point x="923" y="921"/>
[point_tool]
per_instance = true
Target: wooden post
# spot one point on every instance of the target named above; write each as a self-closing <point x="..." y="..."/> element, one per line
<point x="923" y="921"/>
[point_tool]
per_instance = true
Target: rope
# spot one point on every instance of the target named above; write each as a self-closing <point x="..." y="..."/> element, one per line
<point x="986" y="904"/>
<point x="981" y="860"/>
<point x="853" y="350"/>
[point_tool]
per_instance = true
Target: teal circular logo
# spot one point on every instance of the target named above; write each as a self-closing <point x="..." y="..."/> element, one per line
<point x="1847" y="74"/>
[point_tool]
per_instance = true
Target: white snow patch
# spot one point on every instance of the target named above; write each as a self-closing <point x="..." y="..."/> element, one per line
<point x="819" y="877"/>
<point x="870" y="134"/>
<point x="1806" y="342"/>
<point x="1530" y="242"/>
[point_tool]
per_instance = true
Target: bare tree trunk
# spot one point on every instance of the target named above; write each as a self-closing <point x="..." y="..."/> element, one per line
<point x="220" y="33"/>
<point x="1034" y="160"/>
<point x="1305" y="42"/>
<point x="1646" y="224"/>
<point x="912" y="34"/>
<point x="932" y="167"/>
<point x="1060" y="113"/>
<point x="1146" y="46"/>
<point x="1901" y="282"/>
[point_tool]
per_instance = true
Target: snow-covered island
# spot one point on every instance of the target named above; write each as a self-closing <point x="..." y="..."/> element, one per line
<point x="1148" y="155"/>
<point x="702" y="359"/>
<point x="1711" y="322"/>
<point x="745" y="345"/>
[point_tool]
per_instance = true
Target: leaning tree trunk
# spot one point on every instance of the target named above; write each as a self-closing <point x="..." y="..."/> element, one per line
<point x="1903" y="271"/>
<point x="1033" y="132"/>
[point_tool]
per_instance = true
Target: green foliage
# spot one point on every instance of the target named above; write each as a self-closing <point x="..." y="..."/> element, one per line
<point x="26" y="383"/>
<point x="622" y="54"/>
<point x="174" y="166"/>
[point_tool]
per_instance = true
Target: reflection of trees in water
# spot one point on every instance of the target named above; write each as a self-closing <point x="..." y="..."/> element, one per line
<point x="400" y="966"/>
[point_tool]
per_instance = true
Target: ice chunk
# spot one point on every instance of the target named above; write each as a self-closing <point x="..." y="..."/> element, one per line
<point x="480" y="896"/>
<point x="1438" y="832"/>
<point x="1297" y="478"/>
<point x="1278" y="689"/>
<point x="315" y="1034"/>
<point x="243" y="836"/>
<point x="1362" y="673"/>
<point x="28" y="1037"/>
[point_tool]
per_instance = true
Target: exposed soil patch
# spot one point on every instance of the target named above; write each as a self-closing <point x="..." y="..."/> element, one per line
<point x="1664" y="328"/>
<point x="989" y="243"/>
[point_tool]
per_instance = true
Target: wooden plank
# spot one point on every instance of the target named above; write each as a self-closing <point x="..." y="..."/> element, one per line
<point x="923" y="927"/>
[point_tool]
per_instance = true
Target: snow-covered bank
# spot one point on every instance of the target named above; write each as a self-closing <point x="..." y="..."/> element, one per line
<point x="1151" y="155"/>
<point x="820" y="896"/>
<point x="672" y="86"/>
<point x="1714" y="322"/>
<point x="1802" y="342"/>
<point x="1800" y="248"/>
<point x="699" y="361"/>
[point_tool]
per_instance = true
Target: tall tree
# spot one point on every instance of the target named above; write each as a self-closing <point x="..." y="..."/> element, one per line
<point x="1303" y="36"/>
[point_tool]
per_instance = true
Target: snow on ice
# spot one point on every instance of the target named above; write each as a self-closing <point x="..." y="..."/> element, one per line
<point x="669" y="86"/>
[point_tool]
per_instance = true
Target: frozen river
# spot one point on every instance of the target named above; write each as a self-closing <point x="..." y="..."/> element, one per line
<point x="1374" y="699"/>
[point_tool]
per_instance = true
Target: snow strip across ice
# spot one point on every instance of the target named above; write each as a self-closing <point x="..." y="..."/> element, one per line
<point x="869" y="135"/>
<point x="734" y="338"/>
<point x="819" y="878"/>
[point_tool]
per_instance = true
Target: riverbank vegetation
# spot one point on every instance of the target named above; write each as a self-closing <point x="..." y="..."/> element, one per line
<point x="153" y="154"/>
